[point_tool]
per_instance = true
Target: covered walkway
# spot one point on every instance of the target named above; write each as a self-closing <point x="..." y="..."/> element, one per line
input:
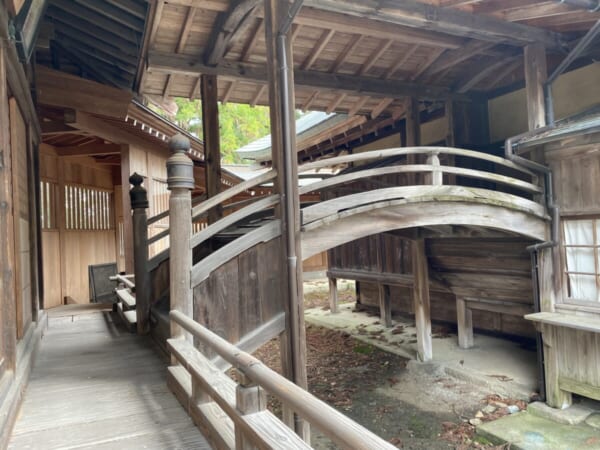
<point x="94" y="385"/>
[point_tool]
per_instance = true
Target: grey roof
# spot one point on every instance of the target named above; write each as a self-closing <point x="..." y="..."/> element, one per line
<point x="586" y="123"/>
<point x="308" y="124"/>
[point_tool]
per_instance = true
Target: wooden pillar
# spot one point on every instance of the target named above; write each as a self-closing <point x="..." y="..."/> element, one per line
<point x="333" y="295"/>
<point x="555" y="397"/>
<point x="536" y="73"/>
<point x="385" y="301"/>
<point x="8" y="333"/>
<point x="139" y="204"/>
<point x="421" y="300"/>
<point x="465" y="324"/>
<point x="285" y="161"/>
<point x="127" y="219"/>
<point x="180" y="181"/>
<point x="212" y="145"/>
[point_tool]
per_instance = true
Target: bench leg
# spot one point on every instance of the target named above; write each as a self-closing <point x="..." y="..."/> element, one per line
<point x="555" y="396"/>
<point x="465" y="324"/>
<point x="385" y="305"/>
<point x="333" y="295"/>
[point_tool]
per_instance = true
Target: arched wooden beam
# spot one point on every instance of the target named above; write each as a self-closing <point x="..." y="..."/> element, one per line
<point x="419" y="194"/>
<point x="366" y="220"/>
<point x="345" y="219"/>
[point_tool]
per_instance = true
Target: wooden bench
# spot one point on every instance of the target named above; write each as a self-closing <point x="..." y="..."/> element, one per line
<point x="571" y="354"/>
<point x="464" y="315"/>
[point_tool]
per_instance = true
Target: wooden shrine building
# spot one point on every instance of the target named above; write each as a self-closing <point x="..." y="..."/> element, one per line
<point x="460" y="185"/>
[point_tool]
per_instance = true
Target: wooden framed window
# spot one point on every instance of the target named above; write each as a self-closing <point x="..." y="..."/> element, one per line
<point x="88" y="208"/>
<point x="581" y="259"/>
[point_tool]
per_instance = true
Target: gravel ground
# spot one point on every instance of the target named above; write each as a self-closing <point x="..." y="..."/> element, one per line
<point x="407" y="403"/>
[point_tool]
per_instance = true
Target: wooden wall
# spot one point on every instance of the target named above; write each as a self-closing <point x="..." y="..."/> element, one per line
<point x="22" y="196"/>
<point x="242" y="294"/>
<point x="485" y="269"/>
<point x="152" y="165"/>
<point x="68" y="249"/>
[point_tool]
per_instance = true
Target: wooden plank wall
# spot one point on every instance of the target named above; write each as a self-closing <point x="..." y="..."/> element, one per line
<point x="21" y="199"/>
<point x="152" y="165"/>
<point x="242" y="294"/>
<point x="76" y="249"/>
<point x="492" y="269"/>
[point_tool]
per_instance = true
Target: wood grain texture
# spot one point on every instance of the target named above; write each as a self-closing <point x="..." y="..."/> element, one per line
<point x="87" y="367"/>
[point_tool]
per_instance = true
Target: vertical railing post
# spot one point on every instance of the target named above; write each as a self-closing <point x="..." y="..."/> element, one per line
<point x="139" y="205"/>
<point x="250" y="399"/>
<point x="436" y="178"/>
<point x="180" y="181"/>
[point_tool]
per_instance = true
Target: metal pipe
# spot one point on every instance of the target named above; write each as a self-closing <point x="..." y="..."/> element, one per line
<point x="289" y="203"/>
<point x="533" y="249"/>
<point x="293" y="11"/>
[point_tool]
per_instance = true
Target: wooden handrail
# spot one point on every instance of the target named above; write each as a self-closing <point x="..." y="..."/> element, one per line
<point x="387" y="153"/>
<point x="340" y="429"/>
<point x="471" y="173"/>
<point x="231" y="192"/>
<point x="125" y="279"/>
<point x="229" y="220"/>
<point x="195" y="201"/>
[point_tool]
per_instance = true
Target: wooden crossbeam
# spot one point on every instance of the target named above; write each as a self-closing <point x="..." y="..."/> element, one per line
<point x="392" y="70"/>
<point x="256" y="33"/>
<point x="350" y="47"/>
<point x="229" y="26"/>
<point x="357" y="106"/>
<point x="93" y="149"/>
<point x="372" y="59"/>
<point x="318" y="49"/>
<point x="451" y="58"/>
<point x="340" y="98"/>
<point x="228" y="92"/>
<point x="414" y="14"/>
<point x="481" y="75"/>
<point x="161" y="62"/>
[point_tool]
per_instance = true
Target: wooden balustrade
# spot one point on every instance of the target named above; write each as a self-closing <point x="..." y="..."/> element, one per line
<point x="245" y="403"/>
<point x="434" y="175"/>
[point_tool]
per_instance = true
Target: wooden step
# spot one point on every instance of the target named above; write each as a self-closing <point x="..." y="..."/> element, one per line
<point x="127" y="298"/>
<point x="129" y="318"/>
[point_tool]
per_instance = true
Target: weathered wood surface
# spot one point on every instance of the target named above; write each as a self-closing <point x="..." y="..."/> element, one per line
<point x="490" y="275"/>
<point x="95" y="385"/>
<point x="385" y="216"/>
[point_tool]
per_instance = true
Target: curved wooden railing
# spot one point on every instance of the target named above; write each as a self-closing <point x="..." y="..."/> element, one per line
<point x="245" y="403"/>
<point x="432" y="170"/>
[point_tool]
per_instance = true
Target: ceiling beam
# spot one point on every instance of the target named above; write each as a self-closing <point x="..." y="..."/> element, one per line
<point x="94" y="149"/>
<point x="229" y="26"/>
<point x="368" y="86"/>
<point x="413" y="14"/>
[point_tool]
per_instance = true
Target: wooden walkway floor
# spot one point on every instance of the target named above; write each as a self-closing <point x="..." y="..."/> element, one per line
<point x="96" y="386"/>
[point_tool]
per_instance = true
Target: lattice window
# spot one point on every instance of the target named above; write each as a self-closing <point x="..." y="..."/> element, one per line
<point x="581" y="259"/>
<point x="160" y="200"/>
<point x="88" y="208"/>
<point x="48" y="203"/>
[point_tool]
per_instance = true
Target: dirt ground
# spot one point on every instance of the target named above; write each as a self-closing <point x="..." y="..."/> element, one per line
<point x="411" y="405"/>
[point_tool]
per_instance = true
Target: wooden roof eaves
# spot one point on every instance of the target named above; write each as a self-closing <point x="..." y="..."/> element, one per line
<point x="188" y="65"/>
<point x="413" y="14"/>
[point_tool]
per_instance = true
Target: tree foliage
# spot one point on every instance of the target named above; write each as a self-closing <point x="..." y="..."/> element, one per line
<point x="239" y="124"/>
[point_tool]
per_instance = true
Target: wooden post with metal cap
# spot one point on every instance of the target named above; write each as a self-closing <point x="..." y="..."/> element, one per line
<point x="180" y="181"/>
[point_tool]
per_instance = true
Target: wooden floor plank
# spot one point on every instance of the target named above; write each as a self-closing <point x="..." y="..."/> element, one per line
<point x="97" y="386"/>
